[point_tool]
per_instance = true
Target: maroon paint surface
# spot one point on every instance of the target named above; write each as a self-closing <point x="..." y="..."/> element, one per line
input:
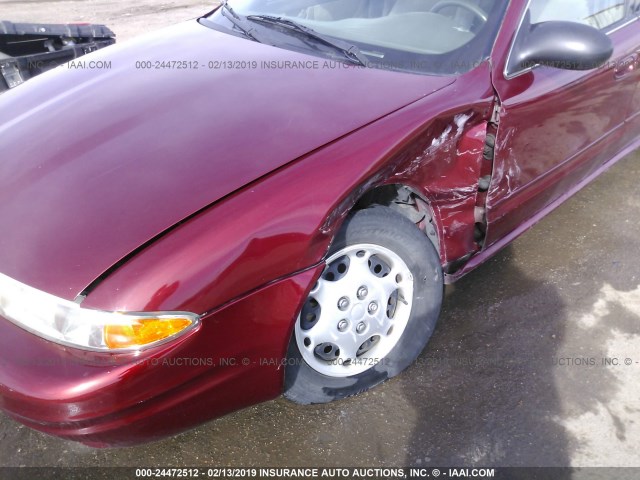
<point x="235" y="183"/>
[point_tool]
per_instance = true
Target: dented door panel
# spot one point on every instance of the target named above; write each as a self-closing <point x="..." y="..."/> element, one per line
<point x="556" y="127"/>
<point x="629" y="72"/>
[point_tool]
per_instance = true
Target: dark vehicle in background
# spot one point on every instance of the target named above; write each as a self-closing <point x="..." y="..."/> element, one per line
<point x="29" y="49"/>
<point x="271" y="198"/>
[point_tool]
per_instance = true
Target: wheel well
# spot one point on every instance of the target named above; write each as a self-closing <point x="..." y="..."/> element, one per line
<point x="407" y="202"/>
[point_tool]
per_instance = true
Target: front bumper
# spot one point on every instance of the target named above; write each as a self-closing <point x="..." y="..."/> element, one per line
<point x="233" y="360"/>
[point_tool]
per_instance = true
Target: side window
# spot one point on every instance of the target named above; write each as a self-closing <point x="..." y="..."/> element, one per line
<point x="600" y="14"/>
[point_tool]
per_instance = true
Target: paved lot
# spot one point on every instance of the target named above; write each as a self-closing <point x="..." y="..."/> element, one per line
<point x="499" y="383"/>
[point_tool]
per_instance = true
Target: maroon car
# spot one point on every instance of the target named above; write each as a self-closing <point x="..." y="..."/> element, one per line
<point x="270" y="199"/>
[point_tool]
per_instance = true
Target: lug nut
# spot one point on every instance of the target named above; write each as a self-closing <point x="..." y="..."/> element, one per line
<point x="362" y="293"/>
<point x="373" y="308"/>
<point x="343" y="325"/>
<point x="343" y="303"/>
<point x="361" y="327"/>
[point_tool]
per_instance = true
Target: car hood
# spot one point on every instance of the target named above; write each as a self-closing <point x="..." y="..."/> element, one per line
<point x="101" y="156"/>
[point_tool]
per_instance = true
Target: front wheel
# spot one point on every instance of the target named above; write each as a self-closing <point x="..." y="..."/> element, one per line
<point x="371" y="312"/>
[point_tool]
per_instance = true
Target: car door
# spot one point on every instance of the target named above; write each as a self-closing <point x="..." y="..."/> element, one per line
<point x="556" y="127"/>
<point x="632" y="68"/>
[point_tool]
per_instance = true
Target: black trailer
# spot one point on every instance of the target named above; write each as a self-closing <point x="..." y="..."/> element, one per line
<point x="28" y="49"/>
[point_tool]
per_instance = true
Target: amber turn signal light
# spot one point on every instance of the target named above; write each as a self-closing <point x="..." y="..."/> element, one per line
<point x="144" y="331"/>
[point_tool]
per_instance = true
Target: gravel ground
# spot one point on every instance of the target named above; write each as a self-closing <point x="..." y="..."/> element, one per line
<point x="498" y="384"/>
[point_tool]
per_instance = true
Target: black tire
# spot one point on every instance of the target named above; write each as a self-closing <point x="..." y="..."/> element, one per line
<point x="378" y="226"/>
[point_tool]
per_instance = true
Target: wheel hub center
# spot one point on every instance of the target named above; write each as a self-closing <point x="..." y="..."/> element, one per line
<point x="357" y="312"/>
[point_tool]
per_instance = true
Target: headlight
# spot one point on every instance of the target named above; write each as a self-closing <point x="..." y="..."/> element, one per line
<point x="67" y="323"/>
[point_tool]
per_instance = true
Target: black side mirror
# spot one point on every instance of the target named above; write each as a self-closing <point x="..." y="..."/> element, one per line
<point x="564" y="45"/>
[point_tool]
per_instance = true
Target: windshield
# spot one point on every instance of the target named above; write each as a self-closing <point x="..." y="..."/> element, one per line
<point x="423" y="36"/>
